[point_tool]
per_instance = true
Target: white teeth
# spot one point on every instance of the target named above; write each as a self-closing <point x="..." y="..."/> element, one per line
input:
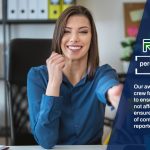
<point x="74" y="47"/>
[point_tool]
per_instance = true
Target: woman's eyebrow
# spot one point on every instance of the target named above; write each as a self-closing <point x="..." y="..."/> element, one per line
<point x="79" y="27"/>
<point x="67" y="27"/>
<point x="84" y="27"/>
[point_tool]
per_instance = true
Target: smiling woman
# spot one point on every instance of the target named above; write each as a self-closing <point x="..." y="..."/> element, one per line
<point x="67" y="97"/>
<point x="77" y="38"/>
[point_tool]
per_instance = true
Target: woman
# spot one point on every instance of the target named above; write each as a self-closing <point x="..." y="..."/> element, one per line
<point x="67" y="97"/>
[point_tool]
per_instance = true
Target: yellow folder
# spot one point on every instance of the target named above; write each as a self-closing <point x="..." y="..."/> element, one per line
<point x="67" y="3"/>
<point x="54" y="9"/>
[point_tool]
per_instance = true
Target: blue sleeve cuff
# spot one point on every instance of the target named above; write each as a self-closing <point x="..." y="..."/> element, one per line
<point x="102" y="90"/>
<point x="50" y="108"/>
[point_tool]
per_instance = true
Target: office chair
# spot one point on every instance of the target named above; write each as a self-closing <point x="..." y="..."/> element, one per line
<point x="24" y="54"/>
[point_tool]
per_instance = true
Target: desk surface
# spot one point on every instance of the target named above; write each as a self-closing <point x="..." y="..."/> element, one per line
<point x="63" y="147"/>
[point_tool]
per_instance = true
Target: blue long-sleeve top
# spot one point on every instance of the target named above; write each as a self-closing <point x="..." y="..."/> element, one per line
<point x="74" y="117"/>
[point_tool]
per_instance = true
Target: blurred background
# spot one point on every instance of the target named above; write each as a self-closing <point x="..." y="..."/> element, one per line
<point x="117" y="24"/>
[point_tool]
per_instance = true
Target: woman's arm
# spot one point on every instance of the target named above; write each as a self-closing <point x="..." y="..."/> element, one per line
<point x="108" y="89"/>
<point x="55" y="64"/>
<point x="114" y="94"/>
<point x="44" y="102"/>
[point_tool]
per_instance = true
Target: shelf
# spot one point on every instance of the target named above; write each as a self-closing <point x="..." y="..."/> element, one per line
<point x="30" y="21"/>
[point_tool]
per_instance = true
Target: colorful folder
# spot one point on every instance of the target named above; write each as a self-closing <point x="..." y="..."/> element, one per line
<point x="67" y="3"/>
<point x="54" y="9"/>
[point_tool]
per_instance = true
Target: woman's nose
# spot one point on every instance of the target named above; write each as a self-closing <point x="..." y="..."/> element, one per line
<point x="74" y="37"/>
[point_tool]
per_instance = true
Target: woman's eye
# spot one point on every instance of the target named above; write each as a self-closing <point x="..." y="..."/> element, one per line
<point x="84" y="32"/>
<point x="66" y="31"/>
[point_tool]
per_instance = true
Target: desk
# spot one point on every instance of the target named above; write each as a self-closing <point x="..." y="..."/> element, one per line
<point x="63" y="147"/>
<point x="82" y="147"/>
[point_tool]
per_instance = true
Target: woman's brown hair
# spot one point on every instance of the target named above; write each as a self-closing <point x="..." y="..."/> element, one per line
<point x="93" y="56"/>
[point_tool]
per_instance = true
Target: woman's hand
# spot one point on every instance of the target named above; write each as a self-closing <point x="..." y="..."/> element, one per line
<point x="55" y="64"/>
<point x="114" y="94"/>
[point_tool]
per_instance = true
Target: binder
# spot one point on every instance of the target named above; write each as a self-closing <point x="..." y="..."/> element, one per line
<point x="67" y="3"/>
<point x="54" y="9"/>
<point x="33" y="7"/>
<point x="12" y="8"/>
<point x="1" y="13"/>
<point x="42" y="9"/>
<point x="22" y="9"/>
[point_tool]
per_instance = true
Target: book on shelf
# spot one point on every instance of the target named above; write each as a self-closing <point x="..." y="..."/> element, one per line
<point x="42" y="9"/>
<point x="27" y="9"/>
<point x="22" y="10"/>
<point x="67" y="3"/>
<point x="36" y="9"/>
<point x="54" y="9"/>
<point x="12" y="9"/>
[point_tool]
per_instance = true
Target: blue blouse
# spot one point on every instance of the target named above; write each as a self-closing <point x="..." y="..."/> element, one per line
<point x="77" y="115"/>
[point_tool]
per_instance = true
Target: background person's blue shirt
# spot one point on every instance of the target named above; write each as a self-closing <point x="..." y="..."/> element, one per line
<point x="77" y="115"/>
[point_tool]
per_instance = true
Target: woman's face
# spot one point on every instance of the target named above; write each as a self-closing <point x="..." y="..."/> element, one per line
<point x="76" y="40"/>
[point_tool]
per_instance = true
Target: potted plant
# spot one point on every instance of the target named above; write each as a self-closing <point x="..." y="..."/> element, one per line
<point x="127" y="46"/>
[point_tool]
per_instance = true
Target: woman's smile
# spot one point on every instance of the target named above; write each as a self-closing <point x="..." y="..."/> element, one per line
<point x="74" y="48"/>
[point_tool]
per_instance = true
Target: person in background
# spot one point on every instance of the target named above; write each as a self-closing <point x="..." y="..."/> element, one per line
<point x="67" y="96"/>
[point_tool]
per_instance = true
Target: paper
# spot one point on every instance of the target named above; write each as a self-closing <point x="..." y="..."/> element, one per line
<point x="3" y="147"/>
<point x="132" y="31"/>
<point x="136" y="15"/>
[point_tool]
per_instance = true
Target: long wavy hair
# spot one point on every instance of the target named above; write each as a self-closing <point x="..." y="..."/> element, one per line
<point x="93" y="56"/>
